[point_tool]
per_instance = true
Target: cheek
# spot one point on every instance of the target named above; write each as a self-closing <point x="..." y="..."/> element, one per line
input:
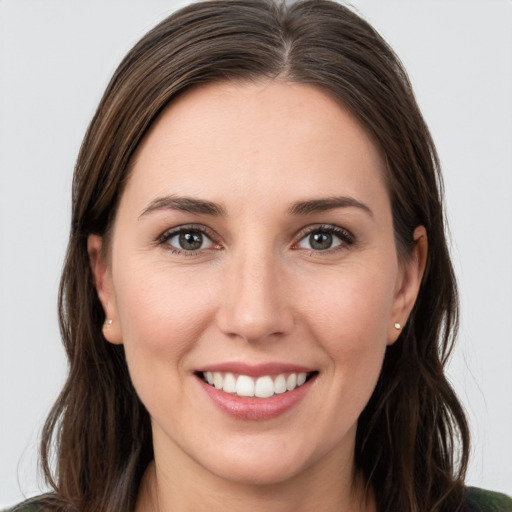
<point x="354" y="305"/>
<point x="162" y="315"/>
<point x="349" y="316"/>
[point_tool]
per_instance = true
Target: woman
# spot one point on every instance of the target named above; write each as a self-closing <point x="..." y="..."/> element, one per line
<point x="257" y="301"/>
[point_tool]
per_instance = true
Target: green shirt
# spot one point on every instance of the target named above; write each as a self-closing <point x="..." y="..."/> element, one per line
<point x="478" y="500"/>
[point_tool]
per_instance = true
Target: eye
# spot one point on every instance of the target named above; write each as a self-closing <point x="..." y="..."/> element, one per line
<point x="326" y="238"/>
<point x="187" y="240"/>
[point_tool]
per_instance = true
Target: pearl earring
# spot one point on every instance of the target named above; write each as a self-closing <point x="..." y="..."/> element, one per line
<point x="107" y="323"/>
<point x="397" y="326"/>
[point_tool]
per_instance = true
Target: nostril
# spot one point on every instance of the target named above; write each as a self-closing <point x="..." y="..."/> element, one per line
<point x="255" y="322"/>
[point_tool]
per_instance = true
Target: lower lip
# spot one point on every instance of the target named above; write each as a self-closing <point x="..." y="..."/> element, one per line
<point x="256" y="409"/>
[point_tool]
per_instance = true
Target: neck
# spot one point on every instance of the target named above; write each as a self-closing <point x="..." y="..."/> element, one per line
<point x="318" y="489"/>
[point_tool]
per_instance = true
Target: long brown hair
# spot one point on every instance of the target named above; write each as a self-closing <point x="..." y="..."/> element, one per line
<point x="412" y="439"/>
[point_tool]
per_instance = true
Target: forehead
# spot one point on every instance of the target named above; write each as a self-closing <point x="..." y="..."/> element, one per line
<point x="229" y="138"/>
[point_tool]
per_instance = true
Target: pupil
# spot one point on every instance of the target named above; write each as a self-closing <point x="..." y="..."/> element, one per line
<point x="320" y="241"/>
<point x="191" y="241"/>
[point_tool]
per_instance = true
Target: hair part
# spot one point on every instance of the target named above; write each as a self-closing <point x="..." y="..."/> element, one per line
<point x="412" y="440"/>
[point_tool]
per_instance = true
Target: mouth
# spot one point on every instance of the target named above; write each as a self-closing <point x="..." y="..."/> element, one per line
<point x="264" y="386"/>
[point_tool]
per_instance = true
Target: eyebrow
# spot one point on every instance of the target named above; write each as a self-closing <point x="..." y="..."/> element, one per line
<point x="201" y="206"/>
<point x="330" y="203"/>
<point x="184" y="204"/>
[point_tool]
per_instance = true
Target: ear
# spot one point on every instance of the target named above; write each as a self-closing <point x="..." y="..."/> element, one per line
<point x="102" y="274"/>
<point x="408" y="284"/>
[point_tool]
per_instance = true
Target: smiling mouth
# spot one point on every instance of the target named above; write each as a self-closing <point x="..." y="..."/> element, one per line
<point x="265" y="386"/>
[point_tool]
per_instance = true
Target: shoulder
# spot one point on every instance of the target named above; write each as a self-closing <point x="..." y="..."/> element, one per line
<point x="480" y="500"/>
<point x="38" y="504"/>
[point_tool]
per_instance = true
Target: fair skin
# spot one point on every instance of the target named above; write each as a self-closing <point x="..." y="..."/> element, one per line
<point x="222" y="259"/>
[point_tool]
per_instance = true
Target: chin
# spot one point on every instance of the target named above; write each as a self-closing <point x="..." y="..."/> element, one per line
<point x="253" y="473"/>
<point x="270" y="465"/>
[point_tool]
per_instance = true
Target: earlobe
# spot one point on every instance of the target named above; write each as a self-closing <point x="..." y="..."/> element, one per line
<point x="408" y="285"/>
<point x="105" y="289"/>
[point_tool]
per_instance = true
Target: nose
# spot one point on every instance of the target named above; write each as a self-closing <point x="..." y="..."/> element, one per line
<point x="256" y="305"/>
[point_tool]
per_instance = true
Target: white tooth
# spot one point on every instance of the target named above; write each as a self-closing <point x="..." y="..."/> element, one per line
<point x="291" y="381"/>
<point x="217" y="380"/>
<point x="280" y="384"/>
<point x="229" y="383"/>
<point x="244" y="386"/>
<point x="209" y="377"/>
<point x="301" y="378"/>
<point x="264" y="387"/>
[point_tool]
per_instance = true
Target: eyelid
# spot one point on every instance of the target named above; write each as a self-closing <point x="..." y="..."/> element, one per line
<point x="343" y="234"/>
<point x="163" y="238"/>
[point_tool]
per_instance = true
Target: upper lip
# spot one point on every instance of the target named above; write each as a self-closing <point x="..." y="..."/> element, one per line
<point x="255" y="370"/>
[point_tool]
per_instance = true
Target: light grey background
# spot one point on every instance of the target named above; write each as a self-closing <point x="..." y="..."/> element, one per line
<point x="55" y="60"/>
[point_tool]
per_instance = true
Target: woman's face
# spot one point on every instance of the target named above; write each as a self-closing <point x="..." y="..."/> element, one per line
<point x="253" y="247"/>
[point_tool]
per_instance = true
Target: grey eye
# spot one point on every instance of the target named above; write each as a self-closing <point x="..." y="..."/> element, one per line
<point x="320" y="241"/>
<point x="324" y="239"/>
<point x="189" y="240"/>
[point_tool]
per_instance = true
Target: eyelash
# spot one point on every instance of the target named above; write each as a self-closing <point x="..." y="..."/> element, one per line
<point x="346" y="238"/>
<point x="163" y="239"/>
